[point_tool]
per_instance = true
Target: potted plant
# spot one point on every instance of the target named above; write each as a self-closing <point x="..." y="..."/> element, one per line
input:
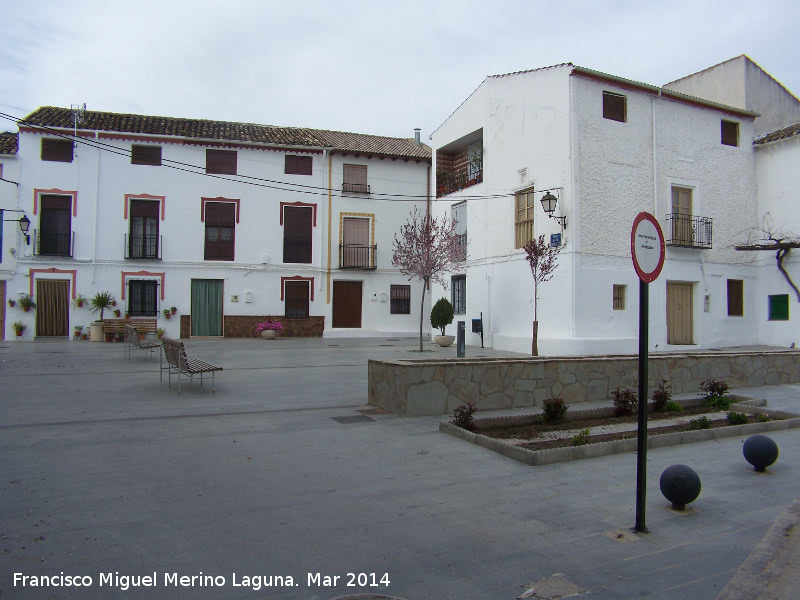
<point x="269" y="328"/>
<point x="78" y="331"/>
<point x="100" y="302"/>
<point x="167" y="313"/>
<point x="12" y="303"/>
<point x="173" y="309"/>
<point x="18" y="327"/>
<point x="160" y="332"/>
<point x="84" y="335"/>
<point x="116" y="312"/>
<point x="442" y="315"/>
<point x="26" y="302"/>
<point x="127" y="315"/>
<point x="79" y="301"/>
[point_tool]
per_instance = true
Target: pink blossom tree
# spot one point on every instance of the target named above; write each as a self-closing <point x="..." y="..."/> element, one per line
<point x="427" y="248"/>
<point x="542" y="259"/>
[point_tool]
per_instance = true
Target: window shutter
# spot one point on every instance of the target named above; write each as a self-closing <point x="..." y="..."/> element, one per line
<point x="297" y="234"/>
<point x="57" y="150"/>
<point x="297" y="165"/>
<point x="144" y="208"/>
<point x="221" y="161"/>
<point x="145" y="155"/>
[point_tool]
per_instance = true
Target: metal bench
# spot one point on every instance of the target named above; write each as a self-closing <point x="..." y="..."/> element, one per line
<point x="133" y="343"/>
<point x="186" y="368"/>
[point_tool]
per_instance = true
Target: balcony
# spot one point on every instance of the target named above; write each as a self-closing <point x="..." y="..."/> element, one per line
<point x="355" y="188"/>
<point x="448" y="182"/>
<point x="53" y="242"/>
<point x="354" y="256"/>
<point x="688" y="231"/>
<point x="146" y="247"/>
<point x="462" y="247"/>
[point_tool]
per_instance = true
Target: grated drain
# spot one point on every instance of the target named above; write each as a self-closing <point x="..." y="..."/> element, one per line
<point x="350" y="419"/>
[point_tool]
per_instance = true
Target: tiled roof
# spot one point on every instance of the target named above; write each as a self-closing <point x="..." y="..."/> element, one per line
<point x="51" y="116"/>
<point x="375" y="144"/>
<point x="780" y="134"/>
<point x="8" y="143"/>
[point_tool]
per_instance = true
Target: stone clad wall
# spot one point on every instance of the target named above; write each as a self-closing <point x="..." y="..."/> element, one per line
<point x="415" y="388"/>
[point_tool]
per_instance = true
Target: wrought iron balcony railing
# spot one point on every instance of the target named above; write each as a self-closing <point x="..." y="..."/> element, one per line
<point x="448" y="182"/>
<point x="53" y="242"/>
<point x="355" y="188"/>
<point x="354" y="256"/>
<point x="143" y="246"/>
<point x="688" y="231"/>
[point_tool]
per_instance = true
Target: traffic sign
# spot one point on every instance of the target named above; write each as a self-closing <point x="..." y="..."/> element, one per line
<point x="647" y="247"/>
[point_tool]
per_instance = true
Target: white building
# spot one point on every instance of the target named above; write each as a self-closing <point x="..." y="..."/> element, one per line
<point x="607" y="148"/>
<point x="228" y="222"/>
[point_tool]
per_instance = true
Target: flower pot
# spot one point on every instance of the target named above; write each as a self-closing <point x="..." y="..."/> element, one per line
<point x="26" y="308"/>
<point x="96" y="331"/>
<point x="444" y="340"/>
<point x="173" y="310"/>
<point x="167" y="315"/>
<point x="269" y="334"/>
<point x="19" y="333"/>
<point x="84" y="336"/>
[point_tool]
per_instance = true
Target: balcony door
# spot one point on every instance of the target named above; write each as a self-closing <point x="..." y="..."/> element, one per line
<point x="355" y="242"/>
<point x="52" y="308"/>
<point x="681" y="221"/>
<point x="55" y="226"/>
<point x="143" y="241"/>
<point x="347" y="304"/>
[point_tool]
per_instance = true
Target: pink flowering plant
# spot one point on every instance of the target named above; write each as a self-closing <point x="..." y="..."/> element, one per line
<point x="269" y="324"/>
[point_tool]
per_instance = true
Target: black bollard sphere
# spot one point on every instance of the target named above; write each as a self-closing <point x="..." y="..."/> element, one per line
<point x="680" y="485"/>
<point x="760" y="451"/>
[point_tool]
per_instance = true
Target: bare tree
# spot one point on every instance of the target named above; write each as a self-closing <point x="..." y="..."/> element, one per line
<point x="426" y="248"/>
<point x="771" y="239"/>
<point x="542" y="259"/>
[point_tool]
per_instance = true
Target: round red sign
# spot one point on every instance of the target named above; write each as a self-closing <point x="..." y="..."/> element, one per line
<point x="647" y="247"/>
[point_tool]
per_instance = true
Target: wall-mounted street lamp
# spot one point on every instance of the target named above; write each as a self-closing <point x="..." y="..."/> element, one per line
<point x="24" y="225"/>
<point x="549" y="202"/>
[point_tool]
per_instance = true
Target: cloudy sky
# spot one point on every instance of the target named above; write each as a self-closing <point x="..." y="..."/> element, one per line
<point x="376" y="67"/>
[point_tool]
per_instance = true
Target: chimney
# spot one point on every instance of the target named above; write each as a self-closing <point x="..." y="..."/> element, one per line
<point x="416" y="135"/>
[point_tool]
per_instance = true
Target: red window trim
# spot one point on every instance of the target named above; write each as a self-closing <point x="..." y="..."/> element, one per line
<point x="72" y="272"/>
<point x="310" y="281"/>
<point x="127" y="274"/>
<point x="37" y="192"/>
<point x="313" y="208"/>
<point x="129" y="197"/>
<point x="203" y="201"/>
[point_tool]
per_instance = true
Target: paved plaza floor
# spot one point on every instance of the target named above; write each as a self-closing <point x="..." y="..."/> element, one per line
<point x="285" y="483"/>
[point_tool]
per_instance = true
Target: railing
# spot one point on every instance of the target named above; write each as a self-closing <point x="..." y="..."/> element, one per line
<point x="688" y="231"/>
<point x="143" y="246"/>
<point x="448" y="182"/>
<point x="354" y="256"/>
<point x="462" y="247"/>
<point x="53" y="242"/>
<point x="355" y="188"/>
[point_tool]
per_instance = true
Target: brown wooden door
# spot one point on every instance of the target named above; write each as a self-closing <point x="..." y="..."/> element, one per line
<point x="347" y="304"/>
<point x="52" y="308"/>
<point x="680" y="329"/>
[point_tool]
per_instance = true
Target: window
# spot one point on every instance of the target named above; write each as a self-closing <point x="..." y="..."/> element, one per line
<point x="221" y="161"/>
<point x="614" y="107"/>
<point x="730" y="133"/>
<point x="57" y="150"/>
<point x="356" y="250"/>
<point x="143" y="238"/>
<point x="145" y="155"/>
<point x="296" y="299"/>
<point x="458" y="213"/>
<point x="220" y="220"/>
<point x="524" y="218"/>
<point x="735" y="298"/>
<point x="779" y="307"/>
<point x="459" y="294"/>
<point x="142" y="298"/>
<point x="55" y="226"/>
<point x="297" y="165"/>
<point x="297" y="223"/>
<point x="619" y="297"/>
<point x="355" y="179"/>
<point x="400" y="300"/>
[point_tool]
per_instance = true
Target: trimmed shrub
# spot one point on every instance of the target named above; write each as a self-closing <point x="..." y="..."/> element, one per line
<point x="716" y="394"/>
<point x="662" y="396"/>
<point x="624" y="402"/>
<point x="554" y="410"/>
<point x="737" y="418"/>
<point x="702" y="423"/>
<point x="673" y="407"/>
<point x="463" y="416"/>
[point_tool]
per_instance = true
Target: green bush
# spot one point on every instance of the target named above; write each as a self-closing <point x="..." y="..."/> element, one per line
<point x="624" y="402"/>
<point x="662" y="396"/>
<point x="673" y="407"/>
<point x="580" y="438"/>
<point x="442" y="314"/>
<point x="463" y="416"/>
<point x="737" y="418"/>
<point x="554" y="410"/>
<point x="702" y="423"/>
<point x="763" y="417"/>
<point x="716" y="394"/>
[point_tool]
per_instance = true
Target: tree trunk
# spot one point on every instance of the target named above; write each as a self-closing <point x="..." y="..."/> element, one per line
<point x="421" y="314"/>
<point x="535" y="344"/>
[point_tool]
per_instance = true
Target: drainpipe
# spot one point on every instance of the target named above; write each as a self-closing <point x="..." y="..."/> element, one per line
<point x="655" y="161"/>
<point x="330" y="217"/>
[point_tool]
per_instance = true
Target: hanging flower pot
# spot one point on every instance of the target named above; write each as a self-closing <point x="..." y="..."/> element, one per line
<point x="117" y="313"/>
<point x="12" y="303"/>
<point x="167" y="313"/>
<point x="173" y="310"/>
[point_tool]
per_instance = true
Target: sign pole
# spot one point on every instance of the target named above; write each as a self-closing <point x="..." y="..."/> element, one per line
<point x="647" y="251"/>
<point x="641" y="455"/>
